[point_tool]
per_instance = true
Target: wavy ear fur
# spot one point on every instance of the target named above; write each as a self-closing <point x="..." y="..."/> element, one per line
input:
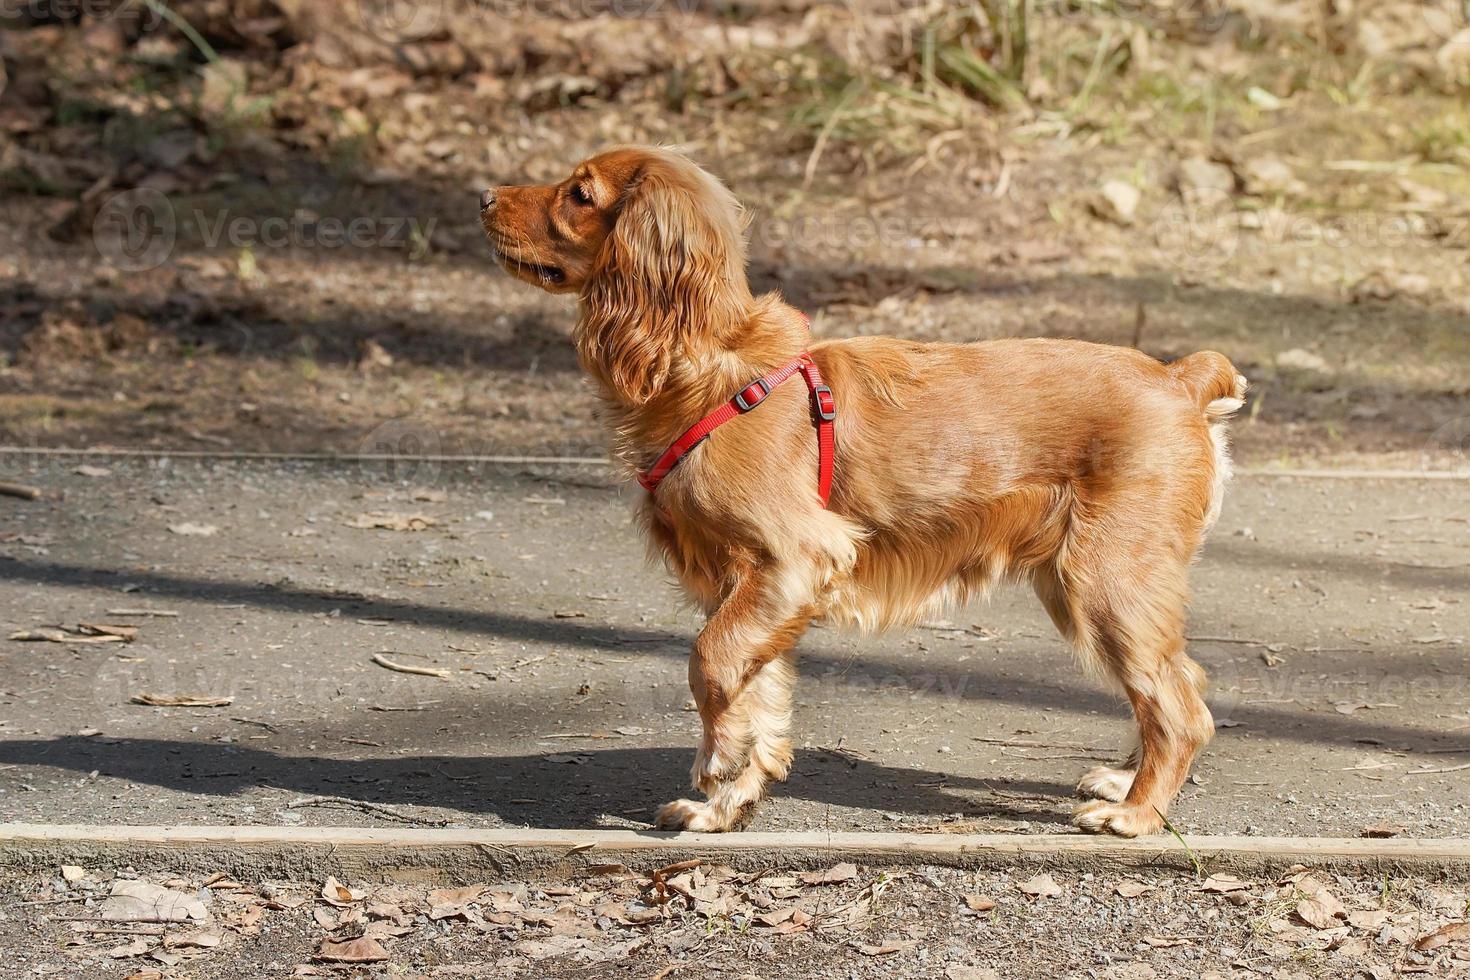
<point x="671" y="273"/>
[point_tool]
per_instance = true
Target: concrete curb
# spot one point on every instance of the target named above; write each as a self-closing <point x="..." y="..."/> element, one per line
<point x="479" y="855"/>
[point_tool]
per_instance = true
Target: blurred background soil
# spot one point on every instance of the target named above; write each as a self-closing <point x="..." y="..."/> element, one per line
<point x="251" y="224"/>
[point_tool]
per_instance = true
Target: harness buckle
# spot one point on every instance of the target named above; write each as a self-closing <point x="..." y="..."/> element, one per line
<point x="823" y="403"/>
<point x="752" y="395"/>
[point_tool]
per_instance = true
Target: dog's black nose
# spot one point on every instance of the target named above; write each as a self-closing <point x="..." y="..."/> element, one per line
<point x="487" y="199"/>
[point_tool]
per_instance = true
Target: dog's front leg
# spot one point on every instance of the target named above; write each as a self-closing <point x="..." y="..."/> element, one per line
<point x="741" y="676"/>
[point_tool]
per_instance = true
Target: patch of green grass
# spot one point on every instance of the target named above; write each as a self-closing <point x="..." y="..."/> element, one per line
<point x="1443" y="139"/>
<point x="1199" y="867"/>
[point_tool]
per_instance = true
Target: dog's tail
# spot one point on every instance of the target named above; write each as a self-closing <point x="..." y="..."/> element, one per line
<point x="1213" y="382"/>
<point x="1219" y="391"/>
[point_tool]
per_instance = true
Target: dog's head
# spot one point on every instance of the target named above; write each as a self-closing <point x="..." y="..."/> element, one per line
<point x="651" y="243"/>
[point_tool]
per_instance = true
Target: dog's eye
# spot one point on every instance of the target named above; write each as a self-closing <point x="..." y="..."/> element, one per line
<point x="579" y="194"/>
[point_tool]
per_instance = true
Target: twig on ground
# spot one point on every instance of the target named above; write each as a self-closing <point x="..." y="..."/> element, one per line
<point x="381" y="809"/>
<point x="1100" y="755"/>
<point x="382" y="661"/>
<point x="1424" y="772"/>
<point x="1026" y="743"/>
<point x="52" y="901"/>
<point x="20" y="490"/>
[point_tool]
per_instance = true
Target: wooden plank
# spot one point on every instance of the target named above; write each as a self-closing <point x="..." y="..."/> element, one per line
<point x="460" y="855"/>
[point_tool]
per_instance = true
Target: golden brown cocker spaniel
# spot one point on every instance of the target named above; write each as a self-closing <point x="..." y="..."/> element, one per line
<point x="1091" y="471"/>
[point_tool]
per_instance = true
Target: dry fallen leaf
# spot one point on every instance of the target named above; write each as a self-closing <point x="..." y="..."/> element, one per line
<point x="1133" y="889"/>
<point x="143" y="901"/>
<point x="886" y="948"/>
<point x="959" y="971"/>
<point x="1318" y="908"/>
<point x="1042" y="886"/>
<point x="181" y="700"/>
<point x="1368" y="920"/>
<point x="832" y="876"/>
<point x="449" y="903"/>
<point x="1381" y="830"/>
<point x="362" y="950"/>
<point x="337" y="894"/>
<point x="1223" y="883"/>
<point x="382" y="520"/>
<point x="774" y="917"/>
<point x="137" y="947"/>
<point x="979" y="903"/>
<point x="455" y="896"/>
<point x="1452" y="932"/>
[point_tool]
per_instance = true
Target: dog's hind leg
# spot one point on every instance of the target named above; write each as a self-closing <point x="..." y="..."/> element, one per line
<point x="1136" y="631"/>
<point x="1122" y="605"/>
<point x="1100" y="782"/>
<point x="741" y="677"/>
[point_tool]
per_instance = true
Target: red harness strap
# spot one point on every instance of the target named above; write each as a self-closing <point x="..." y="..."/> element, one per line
<point x="824" y="412"/>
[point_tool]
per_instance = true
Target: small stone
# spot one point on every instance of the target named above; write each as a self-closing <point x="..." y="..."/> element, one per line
<point x="1117" y="201"/>
<point x="1298" y="359"/>
<point x="1204" y="181"/>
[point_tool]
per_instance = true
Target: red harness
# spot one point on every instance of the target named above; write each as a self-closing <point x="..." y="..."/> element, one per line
<point x="824" y="411"/>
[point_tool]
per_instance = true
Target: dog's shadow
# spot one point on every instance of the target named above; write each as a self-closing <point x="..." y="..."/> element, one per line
<point x="573" y="788"/>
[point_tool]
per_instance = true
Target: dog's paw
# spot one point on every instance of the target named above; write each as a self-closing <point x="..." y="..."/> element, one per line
<point x="1102" y="817"/>
<point x="688" y="815"/>
<point x="1106" y="783"/>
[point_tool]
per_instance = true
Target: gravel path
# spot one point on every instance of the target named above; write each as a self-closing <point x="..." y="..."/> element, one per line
<point x="845" y="922"/>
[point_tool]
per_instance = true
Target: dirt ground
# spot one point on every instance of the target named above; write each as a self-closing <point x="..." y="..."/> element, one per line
<point x="274" y="244"/>
<point x="1330" y="614"/>
<point x="712" y="922"/>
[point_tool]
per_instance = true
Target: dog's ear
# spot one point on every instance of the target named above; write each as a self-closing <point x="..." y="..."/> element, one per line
<point x="671" y="272"/>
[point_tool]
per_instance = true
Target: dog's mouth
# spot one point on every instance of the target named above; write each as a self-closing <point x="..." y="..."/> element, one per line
<point x="551" y="275"/>
<point x="547" y="275"/>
